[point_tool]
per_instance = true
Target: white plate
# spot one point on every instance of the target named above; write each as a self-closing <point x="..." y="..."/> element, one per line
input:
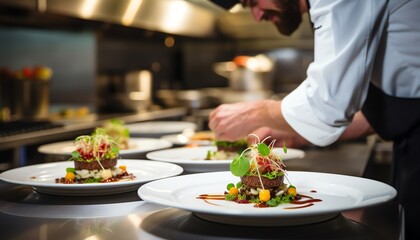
<point x="181" y="139"/>
<point x="42" y="177"/>
<point x="159" y="128"/>
<point x="136" y="145"/>
<point x="192" y="158"/>
<point x="337" y="192"/>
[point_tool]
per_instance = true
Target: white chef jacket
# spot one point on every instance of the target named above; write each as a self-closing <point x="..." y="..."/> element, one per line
<point x="355" y="42"/>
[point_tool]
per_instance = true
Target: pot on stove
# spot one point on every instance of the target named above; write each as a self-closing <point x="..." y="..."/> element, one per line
<point x="247" y="73"/>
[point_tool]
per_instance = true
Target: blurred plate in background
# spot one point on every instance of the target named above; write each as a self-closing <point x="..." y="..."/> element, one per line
<point x="159" y="128"/>
<point x="201" y="138"/>
<point x="192" y="159"/>
<point x="136" y="145"/>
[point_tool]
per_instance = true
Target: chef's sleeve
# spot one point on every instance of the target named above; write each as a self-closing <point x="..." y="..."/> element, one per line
<point x="346" y="38"/>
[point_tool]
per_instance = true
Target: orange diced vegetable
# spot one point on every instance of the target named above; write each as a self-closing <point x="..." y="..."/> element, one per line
<point x="233" y="191"/>
<point x="292" y="191"/>
<point x="123" y="168"/>
<point x="264" y="195"/>
<point x="70" y="176"/>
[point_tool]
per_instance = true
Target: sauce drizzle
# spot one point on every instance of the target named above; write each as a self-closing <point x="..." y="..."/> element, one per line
<point x="302" y="200"/>
<point x="211" y="197"/>
<point x="302" y="206"/>
<point x="120" y="178"/>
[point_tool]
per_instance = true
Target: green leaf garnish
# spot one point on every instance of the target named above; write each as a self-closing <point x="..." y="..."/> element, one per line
<point x="284" y="147"/>
<point x="239" y="166"/>
<point x="241" y="196"/>
<point x="272" y="202"/>
<point x="92" y="180"/>
<point x="126" y="133"/>
<point x="210" y="155"/>
<point x="229" y="186"/>
<point x="115" y="150"/>
<point x="230" y="197"/>
<point x="70" y="169"/>
<point x="75" y="155"/>
<point x="263" y="149"/>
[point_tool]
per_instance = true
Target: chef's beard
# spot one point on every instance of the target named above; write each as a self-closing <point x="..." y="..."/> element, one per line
<point x="289" y="18"/>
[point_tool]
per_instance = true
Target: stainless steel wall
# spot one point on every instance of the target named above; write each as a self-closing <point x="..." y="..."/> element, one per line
<point x="70" y="54"/>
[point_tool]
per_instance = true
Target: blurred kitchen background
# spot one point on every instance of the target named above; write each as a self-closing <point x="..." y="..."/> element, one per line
<point x="130" y="55"/>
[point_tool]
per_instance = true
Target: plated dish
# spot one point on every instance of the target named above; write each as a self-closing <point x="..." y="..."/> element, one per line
<point x="183" y="139"/>
<point x="159" y="128"/>
<point x="136" y="146"/>
<point x="42" y="177"/>
<point x="192" y="159"/>
<point x="200" y="138"/>
<point x="337" y="192"/>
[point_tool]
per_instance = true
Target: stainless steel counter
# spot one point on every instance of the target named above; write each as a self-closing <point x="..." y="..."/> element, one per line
<point x="26" y="214"/>
<point x="71" y="128"/>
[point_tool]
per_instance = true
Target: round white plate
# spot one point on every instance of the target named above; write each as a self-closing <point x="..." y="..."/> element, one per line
<point x="192" y="158"/>
<point x="42" y="177"/>
<point x="337" y="192"/>
<point x="181" y="139"/>
<point x="159" y="128"/>
<point x="136" y="145"/>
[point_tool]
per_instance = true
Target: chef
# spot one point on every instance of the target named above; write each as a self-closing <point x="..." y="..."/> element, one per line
<point x="365" y="78"/>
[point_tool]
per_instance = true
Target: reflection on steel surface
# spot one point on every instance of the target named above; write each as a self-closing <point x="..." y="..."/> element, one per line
<point x="170" y="16"/>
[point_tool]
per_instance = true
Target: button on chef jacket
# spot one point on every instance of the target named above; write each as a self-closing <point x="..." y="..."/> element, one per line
<point x="356" y="42"/>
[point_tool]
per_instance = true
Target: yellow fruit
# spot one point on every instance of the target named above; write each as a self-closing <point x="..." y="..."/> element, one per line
<point x="264" y="195"/>
<point x="123" y="168"/>
<point x="70" y="176"/>
<point x="233" y="191"/>
<point x="291" y="191"/>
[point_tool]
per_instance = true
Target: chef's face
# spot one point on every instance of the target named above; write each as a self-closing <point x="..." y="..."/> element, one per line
<point x="284" y="14"/>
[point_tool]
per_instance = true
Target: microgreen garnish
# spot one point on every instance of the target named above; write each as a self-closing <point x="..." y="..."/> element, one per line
<point x="229" y="186"/>
<point x="239" y="166"/>
<point x="75" y="155"/>
<point x="93" y="147"/>
<point x="263" y="149"/>
<point x="258" y="160"/>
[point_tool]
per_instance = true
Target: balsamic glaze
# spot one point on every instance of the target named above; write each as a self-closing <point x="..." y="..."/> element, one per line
<point x="303" y="201"/>
<point x="124" y="176"/>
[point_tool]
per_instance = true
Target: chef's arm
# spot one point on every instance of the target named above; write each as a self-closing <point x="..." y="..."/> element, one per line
<point x="358" y="128"/>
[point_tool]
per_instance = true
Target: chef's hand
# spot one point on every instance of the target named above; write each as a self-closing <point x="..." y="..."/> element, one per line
<point x="231" y="122"/>
<point x="282" y="138"/>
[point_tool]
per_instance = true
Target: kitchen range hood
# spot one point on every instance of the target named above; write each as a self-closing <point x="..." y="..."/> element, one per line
<point x="195" y="18"/>
<point x="191" y="18"/>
